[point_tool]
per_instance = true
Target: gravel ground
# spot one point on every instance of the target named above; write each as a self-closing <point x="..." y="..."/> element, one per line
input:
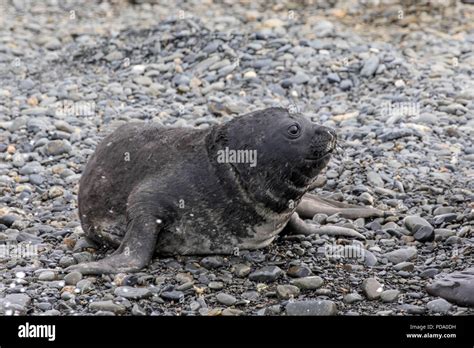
<point x="395" y="81"/>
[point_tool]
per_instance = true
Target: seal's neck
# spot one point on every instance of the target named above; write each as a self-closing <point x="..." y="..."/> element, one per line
<point x="278" y="191"/>
<point x="277" y="188"/>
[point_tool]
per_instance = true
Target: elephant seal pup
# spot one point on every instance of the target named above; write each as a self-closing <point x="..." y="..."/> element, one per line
<point x="185" y="191"/>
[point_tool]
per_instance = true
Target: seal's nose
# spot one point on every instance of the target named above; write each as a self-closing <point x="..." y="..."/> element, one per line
<point x="323" y="142"/>
<point x="326" y="139"/>
<point x="326" y="134"/>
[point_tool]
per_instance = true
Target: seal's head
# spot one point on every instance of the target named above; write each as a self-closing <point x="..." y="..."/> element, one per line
<point x="274" y="154"/>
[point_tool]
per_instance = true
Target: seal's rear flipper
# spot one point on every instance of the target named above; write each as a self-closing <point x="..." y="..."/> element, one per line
<point x="134" y="253"/>
<point x="300" y="227"/>
<point x="311" y="205"/>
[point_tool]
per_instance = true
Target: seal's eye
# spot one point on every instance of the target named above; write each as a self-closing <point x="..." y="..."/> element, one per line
<point x="294" y="130"/>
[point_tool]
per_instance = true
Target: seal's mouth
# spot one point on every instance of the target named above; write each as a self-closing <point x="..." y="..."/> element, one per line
<point x="321" y="157"/>
<point x="323" y="150"/>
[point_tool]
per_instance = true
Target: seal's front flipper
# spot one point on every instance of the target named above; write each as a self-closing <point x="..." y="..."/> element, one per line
<point x="134" y="253"/>
<point x="298" y="226"/>
<point x="119" y="263"/>
<point x="311" y="205"/>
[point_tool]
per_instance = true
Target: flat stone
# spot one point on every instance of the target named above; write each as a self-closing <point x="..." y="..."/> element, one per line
<point x="72" y="278"/>
<point x="396" y="134"/>
<point x="443" y="210"/>
<point x="113" y="56"/>
<point x="47" y="276"/>
<point x="424" y="234"/>
<point x="370" y="259"/>
<point x="308" y="283"/>
<point x="443" y="233"/>
<point x="404" y="266"/>
<point x="250" y="75"/>
<point x="298" y="271"/>
<point x="334" y="78"/>
<point x="300" y="78"/>
<point x="8" y="220"/>
<point x="266" y="274"/>
<point x="412" y="309"/>
<point x="401" y="255"/>
<point x="174" y="295"/>
<point x="15" y="303"/>
<point x="444" y="218"/>
<point x="212" y="262"/>
<point x="375" y="179"/>
<point x="84" y="285"/>
<point x="108" y="306"/>
<point x="439" y="305"/>
<point x="241" y="270"/>
<point x="414" y="223"/>
<point x="312" y="307"/>
<point x="143" y="80"/>
<point x="389" y="295"/>
<point x="429" y="273"/>
<point x="132" y="293"/>
<point x="285" y="292"/>
<point x="226" y="299"/>
<point x="352" y="297"/>
<point x="346" y="85"/>
<point x="57" y="147"/>
<point x="215" y="285"/>
<point x="370" y="66"/>
<point x="232" y="312"/>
